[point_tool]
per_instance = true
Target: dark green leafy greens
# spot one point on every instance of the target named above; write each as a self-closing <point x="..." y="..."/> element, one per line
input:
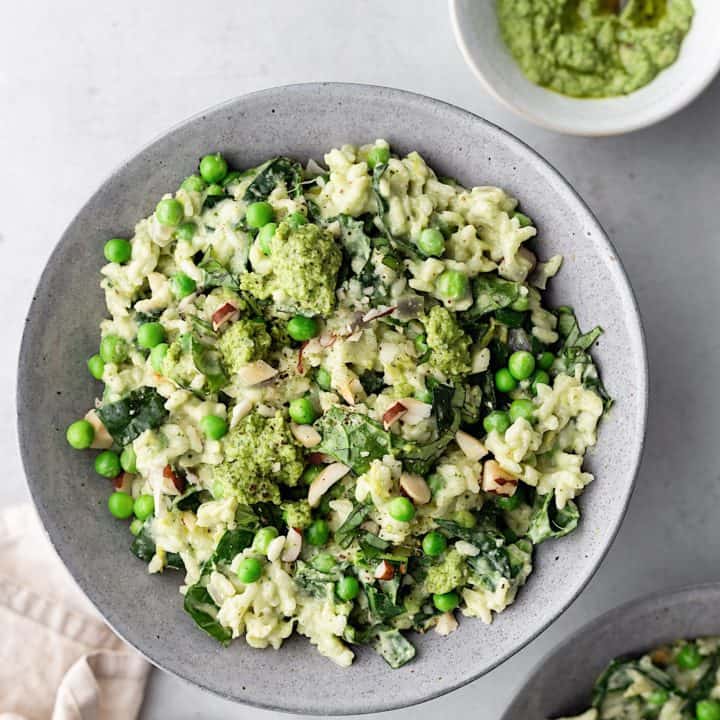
<point x="279" y="170"/>
<point x="352" y="438"/>
<point x="357" y="245"/>
<point x="548" y="522"/>
<point x="395" y="649"/>
<point x="216" y="274"/>
<point x="140" y="410"/>
<point x="490" y="293"/>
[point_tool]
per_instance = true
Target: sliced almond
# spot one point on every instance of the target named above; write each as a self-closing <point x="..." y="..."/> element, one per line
<point x="275" y="548"/>
<point x="306" y="435"/>
<point x="350" y="389"/>
<point x="417" y="411"/>
<point x="101" y="439"/>
<point x="324" y="481"/>
<point x="293" y="546"/>
<point x="384" y="571"/>
<point x="446" y="624"/>
<point x="415" y="488"/>
<point x="371" y="526"/>
<point x="224" y="314"/>
<point x="255" y="373"/>
<point x="177" y="480"/>
<point x="242" y="409"/>
<point x="497" y="480"/>
<point x="376" y="313"/>
<point x="471" y="446"/>
<point x="123" y="482"/>
<point x="393" y="414"/>
<point x="318" y="458"/>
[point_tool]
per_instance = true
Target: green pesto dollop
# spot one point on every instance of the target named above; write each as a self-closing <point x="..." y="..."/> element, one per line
<point x="297" y="514"/>
<point x="260" y="454"/>
<point x="447" y="575"/>
<point x="449" y="345"/>
<point x="243" y="342"/>
<point x="304" y="265"/>
<point x="178" y="363"/>
<point x="588" y="48"/>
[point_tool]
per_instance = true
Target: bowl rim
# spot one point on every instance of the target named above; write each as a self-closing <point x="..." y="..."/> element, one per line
<point x="24" y="421"/>
<point x="643" y="602"/>
<point x="691" y="92"/>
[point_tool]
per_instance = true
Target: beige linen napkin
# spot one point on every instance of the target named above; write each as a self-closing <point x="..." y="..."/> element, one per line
<point x="58" y="659"/>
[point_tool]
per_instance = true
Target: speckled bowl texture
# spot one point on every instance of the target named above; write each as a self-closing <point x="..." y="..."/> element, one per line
<point x="62" y="332"/>
<point x="562" y="683"/>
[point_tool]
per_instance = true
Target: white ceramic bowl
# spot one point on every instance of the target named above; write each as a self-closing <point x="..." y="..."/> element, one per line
<point x="478" y="36"/>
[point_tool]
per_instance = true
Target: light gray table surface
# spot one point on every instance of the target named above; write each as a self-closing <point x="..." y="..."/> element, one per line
<point x="83" y="84"/>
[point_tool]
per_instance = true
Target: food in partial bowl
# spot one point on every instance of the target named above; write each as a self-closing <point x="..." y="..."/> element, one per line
<point x="671" y="682"/>
<point x="335" y="400"/>
<point x="594" y="48"/>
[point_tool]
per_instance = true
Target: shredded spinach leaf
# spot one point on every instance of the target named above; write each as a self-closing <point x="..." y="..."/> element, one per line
<point x="352" y="438"/>
<point x="201" y="608"/>
<point x="394" y="647"/>
<point x="216" y="274"/>
<point x="380" y="605"/>
<point x="490" y="293"/>
<point x="191" y="499"/>
<point x="493" y="558"/>
<point x="357" y="245"/>
<point x="276" y="171"/>
<point x="547" y="522"/>
<point x="207" y="361"/>
<point x="442" y="404"/>
<point x="129" y="417"/>
<point x="419" y="458"/>
<point x="345" y="534"/>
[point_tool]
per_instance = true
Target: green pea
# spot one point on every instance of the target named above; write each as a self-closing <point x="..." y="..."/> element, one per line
<point x="323" y="379"/>
<point x="113" y="349"/>
<point x="193" y="183"/>
<point x="522" y="304"/>
<point x="214" y="427"/>
<point x="150" y="334"/>
<point x="421" y="346"/>
<point x="688" y="657"/>
<point x="264" y="237"/>
<point x="249" y="570"/>
<point x="213" y="168"/>
<point x="504" y="381"/>
<point x="310" y="473"/>
<point x="401" y="509"/>
<point x="523" y="219"/>
<point x="434" y="544"/>
<point x="136" y="527"/>
<point x="96" y="366"/>
<point x="157" y="355"/>
<point x="658" y="697"/>
<point x="347" y="588"/>
<point x="80" y="434"/>
<point x="452" y="285"/>
<point x="324" y="562"/>
<point x="182" y="285"/>
<point x="508" y="503"/>
<point x="431" y="242"/>
<point x="218" y="490"/>
<point x="446" y="602"/>
<point x="465" y="519"/>
<point x="377" y="156"/>
<point x="318" y="533"/>
<point x="435" y="483"/>
<point x="263" y="538"/>
<point x="497" y="420"/>
<point x="169" y="212"/>
<point x="522" y="409"/>
<point x="545" y="360"/>
<point x="128" y="459"/>
<point x="540" y="378"/>
<point x="144" y="507"/>
<point x="296" y="219"/>
<point x="186" y="231"/>
<point x="302" y="328"/>
<point x="215" y="190"/>
<point x="117" y="251"/>
<point x="120" y="505"/>
<point x="521" y="365"/>
<point x="107" y="464"/>
<point x="259" y="214"/>
<point x="302" y="411"/>
<point x="707" y="710"/>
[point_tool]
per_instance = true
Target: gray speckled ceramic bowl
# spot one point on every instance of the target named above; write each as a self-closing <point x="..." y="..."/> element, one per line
<point x="562" y="683"/>
<point x="62" y="331"/>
